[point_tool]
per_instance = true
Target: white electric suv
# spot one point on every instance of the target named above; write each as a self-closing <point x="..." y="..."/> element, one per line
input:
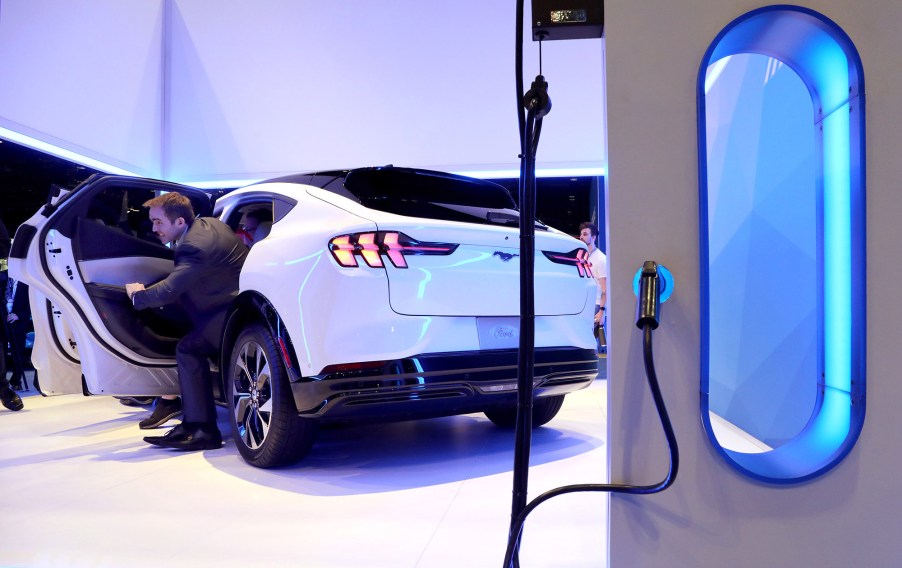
<point x="378" y="294"/>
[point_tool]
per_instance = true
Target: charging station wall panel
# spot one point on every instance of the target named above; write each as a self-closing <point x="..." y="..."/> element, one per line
<point x="714" y="515"/>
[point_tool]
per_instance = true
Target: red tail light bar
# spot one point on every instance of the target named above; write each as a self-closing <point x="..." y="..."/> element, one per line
<point x="372" y="246"/>
<point x="578" y="257"/>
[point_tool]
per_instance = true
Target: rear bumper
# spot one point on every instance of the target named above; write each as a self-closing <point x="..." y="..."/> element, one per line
<point x="438" y="384"/>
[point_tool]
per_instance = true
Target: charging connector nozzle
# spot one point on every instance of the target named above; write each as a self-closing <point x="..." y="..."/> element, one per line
<point x="648" y="304"/>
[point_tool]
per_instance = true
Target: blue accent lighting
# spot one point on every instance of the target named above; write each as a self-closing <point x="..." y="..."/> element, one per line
<point x="665" y="286"/>
<point x="830" y="68"/>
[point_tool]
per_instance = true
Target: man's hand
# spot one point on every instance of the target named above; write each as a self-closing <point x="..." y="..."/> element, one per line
<point x="130" y="289"/>
<point x="12" y="317"/>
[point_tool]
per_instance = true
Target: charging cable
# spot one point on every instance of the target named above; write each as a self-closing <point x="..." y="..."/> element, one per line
<point x="647" y="311"/>
<point x="537" y="104"/>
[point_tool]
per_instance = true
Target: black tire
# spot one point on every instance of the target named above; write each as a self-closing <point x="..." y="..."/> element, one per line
<point x="265" y="422"/>
<point x="543" y="410"/>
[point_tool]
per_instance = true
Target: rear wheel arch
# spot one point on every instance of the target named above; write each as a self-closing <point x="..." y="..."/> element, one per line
<point x="250" y="308"/>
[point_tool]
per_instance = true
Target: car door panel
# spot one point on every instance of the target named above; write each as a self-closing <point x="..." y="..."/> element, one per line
<point x="151" y="333"/>
<point x="121" y="271"/>
<point x="55" y="352"/>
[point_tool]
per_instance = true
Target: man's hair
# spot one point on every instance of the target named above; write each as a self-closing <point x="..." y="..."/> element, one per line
<point x="261" y="215"/>
<point x="591" y="226"/>
<point x="174" y="205"/>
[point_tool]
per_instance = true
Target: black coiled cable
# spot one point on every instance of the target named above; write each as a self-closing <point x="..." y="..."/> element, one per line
<point x="510" y="558"/>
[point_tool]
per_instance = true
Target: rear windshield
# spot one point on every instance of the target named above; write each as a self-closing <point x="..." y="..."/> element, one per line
<point x="422" y="193"/>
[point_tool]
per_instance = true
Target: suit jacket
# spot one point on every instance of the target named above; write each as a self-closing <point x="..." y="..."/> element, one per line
<point x="21" y="306"/>
<point x="204" y="281"/>
<point x="15" y="331"/>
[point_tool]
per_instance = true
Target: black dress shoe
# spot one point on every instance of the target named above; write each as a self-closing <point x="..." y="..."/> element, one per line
<point x="179" y="431"/>
<point x="190" y="439"/>
<point x="164" y="411"/>
<point x="15" y="383"/>
<point x="135" y="400"/>
<point x="10" y="399"/>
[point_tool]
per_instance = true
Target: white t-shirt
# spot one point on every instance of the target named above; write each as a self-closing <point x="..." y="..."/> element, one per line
<point x="599" y="269"/>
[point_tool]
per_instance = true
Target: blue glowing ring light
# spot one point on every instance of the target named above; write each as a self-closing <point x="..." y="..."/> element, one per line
<point x="826" y="60"/>
<point x="664" y="276"/>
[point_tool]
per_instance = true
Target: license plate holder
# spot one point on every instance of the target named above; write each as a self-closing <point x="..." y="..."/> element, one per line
<point x="498" y="332"/>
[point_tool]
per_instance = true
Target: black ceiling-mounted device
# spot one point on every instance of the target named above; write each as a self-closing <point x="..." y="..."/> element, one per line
<point x="567" y="19"/>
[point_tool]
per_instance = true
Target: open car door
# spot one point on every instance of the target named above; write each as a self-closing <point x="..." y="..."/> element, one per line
<point x="76" y="255"/>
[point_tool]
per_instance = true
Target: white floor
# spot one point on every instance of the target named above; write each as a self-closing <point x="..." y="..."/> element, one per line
<point x="78" y="487"/>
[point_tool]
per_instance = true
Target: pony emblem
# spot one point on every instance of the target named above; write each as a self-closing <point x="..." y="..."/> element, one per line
<point x="504" y="256"/>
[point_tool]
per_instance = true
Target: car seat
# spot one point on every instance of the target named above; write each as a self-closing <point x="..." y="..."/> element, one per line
<point x="262" y="231"/>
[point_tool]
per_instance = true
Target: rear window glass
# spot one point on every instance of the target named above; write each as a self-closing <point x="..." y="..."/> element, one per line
<point x="422" y="193"/>
<point x="418" y="193"/>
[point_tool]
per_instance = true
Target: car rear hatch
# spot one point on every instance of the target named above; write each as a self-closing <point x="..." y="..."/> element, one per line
<point x="451" y="247"/>
<point x="482" y="274"/>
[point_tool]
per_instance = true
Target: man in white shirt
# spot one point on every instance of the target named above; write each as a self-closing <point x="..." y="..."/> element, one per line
<point x="588" y="233"/>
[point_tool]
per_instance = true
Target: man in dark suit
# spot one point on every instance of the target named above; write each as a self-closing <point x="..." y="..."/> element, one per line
<point x="18" y="324"/>
<point x="8" y="397"/>
<point x="208" y="261"/>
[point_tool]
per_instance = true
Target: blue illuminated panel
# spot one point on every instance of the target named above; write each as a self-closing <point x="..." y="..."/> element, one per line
<point x="826" y="61"/>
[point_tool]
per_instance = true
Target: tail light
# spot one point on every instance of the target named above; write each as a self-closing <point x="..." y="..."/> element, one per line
<point x="578" y="257"/>
<point x="372" y="246"/>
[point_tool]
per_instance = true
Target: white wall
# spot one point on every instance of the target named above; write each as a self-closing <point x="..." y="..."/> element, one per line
<point x="85" y="75"/>
<point x="265" y="88"/>
<point x="246" y="90"/>
<point x="713" y="516"/>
